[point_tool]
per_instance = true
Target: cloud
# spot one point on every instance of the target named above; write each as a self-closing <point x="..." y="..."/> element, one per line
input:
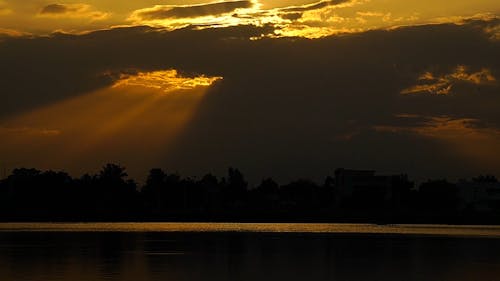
<point x="292" y="21"/>
<point x="72" y="11"/>
<point x="493" y="29"/>
<point x="371" y="14"/>
<point x="442" y="127"/>
<point x="190" y="11"/>
<point x="315" y="6"/>
<point x="447" y="127"/>
<point x="291" y="16"/>
<point x="331" y="17"/>
<point x="468" y="137"/>
<point x="313" y="20"/>
<point x="165" y="80"/>
<point x="12" y="33"/>
<point x="487" y="17"/>
<point x="57" y="9"/>
<point x="444" y="84"/>
<point x="287" y="107"/>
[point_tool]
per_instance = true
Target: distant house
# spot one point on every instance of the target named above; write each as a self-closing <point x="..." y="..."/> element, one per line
<point x="480" y="196"/>
<point x="365" y="184"/>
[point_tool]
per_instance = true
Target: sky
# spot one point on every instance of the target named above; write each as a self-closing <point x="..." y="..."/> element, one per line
<point x="282" y="89"/>
<point x="324" y="17"/>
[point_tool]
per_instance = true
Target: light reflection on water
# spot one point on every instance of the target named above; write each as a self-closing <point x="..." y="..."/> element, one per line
<point x="450" y="230"/>
<point x="182" y="252"/>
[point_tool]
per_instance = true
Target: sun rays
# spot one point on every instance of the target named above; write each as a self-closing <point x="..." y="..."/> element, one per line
<point x="135" y="119"/>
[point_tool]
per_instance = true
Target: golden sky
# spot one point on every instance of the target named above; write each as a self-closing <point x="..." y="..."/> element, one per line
<point x="42" y="17"/>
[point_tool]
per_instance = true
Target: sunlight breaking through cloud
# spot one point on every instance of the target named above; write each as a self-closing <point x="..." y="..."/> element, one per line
<point x="209" y="14"/>
<point x="165" y="80"/>
<point x="493" y="31"/>
<point x="434" y="84"/>
<point x="301" y="20"/>
<point x="312" y="20"/>
<point x="130" y="120"/>
<point x="187" y="11"/>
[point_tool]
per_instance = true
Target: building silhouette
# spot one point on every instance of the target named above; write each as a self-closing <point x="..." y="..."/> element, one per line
<point x="365" y="183"/>
<point x="479" y="195"/>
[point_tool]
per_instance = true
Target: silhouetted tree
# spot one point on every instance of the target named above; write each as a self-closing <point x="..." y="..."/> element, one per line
<point x="265" y="198"/>
<point x="212" y="192"/>
<point x="113" y="174"/>
<point x="116" y="195"/>
<point x="30" y="194"/>
<point x="485" y="178"/>
<point x="438" y="199"/>
<point x="234" y="192"/>
<point x="154" y="193"/>
<point x="300" y="198"/>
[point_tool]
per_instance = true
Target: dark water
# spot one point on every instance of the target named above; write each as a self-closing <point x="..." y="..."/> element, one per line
<point x="260" y="256"/>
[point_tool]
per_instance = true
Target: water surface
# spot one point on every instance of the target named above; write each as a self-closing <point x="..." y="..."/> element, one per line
<point x="178" y="252"/>
<point x="408" y="229"/>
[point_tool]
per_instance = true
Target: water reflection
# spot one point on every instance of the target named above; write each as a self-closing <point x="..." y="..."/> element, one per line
<point x="446" y="230"/>
<point x="244" y="256"/>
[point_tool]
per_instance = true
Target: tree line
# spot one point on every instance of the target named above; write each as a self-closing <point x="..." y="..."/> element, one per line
<point x="34" y="195"/>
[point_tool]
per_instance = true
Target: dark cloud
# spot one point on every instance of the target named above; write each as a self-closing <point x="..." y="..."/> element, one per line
<point x="291" y="16"/>
<point x="54" y="9"/>
<point x="165" y="12"/>
<point x="315" y="6"/>
<point x="288" y="107"/>
<point x="77" y="10"/>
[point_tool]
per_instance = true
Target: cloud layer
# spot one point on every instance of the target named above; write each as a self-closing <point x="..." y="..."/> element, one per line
<point x="72" y="11"/>
<point x="193" y="11"/>
<point x="312" y="19"/>
<point x="289" y="107"/>
<point x="444" y="84"/>
<point x="314" y="6"/>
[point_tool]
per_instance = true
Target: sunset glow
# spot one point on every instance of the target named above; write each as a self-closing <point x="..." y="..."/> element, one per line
<point x="166" y="81"/>
<point x="258" y="84"/>
<point x="467" y="138"/>
<point x="125" y="115"/>
<point x="291" y="18"/>
<point x="443" y="85"/>
<point x="156" y="136"/>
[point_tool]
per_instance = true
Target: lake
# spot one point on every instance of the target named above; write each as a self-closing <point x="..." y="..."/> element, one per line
<point x="232" y="251"/>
